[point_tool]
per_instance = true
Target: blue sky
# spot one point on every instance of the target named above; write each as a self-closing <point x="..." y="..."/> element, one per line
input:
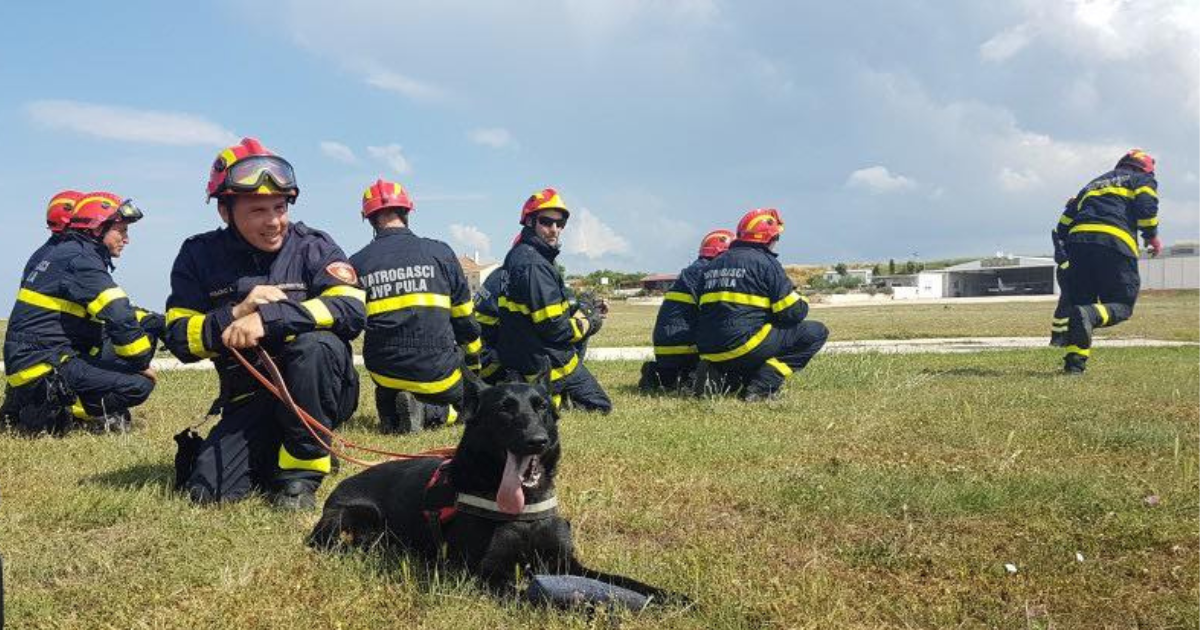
<point x="879" y="129"/>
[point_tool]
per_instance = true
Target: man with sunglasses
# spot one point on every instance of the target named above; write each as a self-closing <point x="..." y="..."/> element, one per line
<point x="419" y="312"/>
<point x="263" y="282"/>
<point x="538" y="328"/>
<point x="752" y="332"/>
<point x="67" y="308"/>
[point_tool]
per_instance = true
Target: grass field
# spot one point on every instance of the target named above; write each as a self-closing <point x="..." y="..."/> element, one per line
<point x="883" y="492"/>
<point x="1171" y="315"/>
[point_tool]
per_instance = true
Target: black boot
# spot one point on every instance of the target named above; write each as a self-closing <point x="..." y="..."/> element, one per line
<point x="1058" y="339"/>
<point x="295" y="495"/>
<point x="409" y="415"/>
<point x="649" y="381"/>
<point x="710" y="380"/>
<point x="1074" y="364"/>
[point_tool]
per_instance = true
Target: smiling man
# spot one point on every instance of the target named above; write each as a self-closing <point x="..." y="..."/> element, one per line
<point x="537" y="323"/>
<point x="263" y="281"/>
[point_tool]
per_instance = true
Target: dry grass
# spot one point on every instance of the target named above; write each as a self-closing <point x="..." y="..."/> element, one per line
<point x="882" y="492"/>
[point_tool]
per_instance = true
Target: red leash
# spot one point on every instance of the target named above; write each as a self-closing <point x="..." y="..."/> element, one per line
<point x="278" y="387"/>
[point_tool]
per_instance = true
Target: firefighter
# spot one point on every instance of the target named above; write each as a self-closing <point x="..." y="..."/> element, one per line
<point x="675" y="353"/>
<point x="487" y="313"/>
<point x="538" y="329"/>
<point x="1062" y="310"/>
<point x="264" y="281"/>
<point x="419" y="312"/>
<point x="68" y="306"/>
<point x="1099" y="230"/>
<point x="751" y="331"/>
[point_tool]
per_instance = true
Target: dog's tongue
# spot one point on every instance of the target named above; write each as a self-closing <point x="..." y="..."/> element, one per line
<point x="510" y="498"/>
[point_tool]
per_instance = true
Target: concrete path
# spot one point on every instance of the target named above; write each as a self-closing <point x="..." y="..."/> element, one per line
<point x="884" y="346"/>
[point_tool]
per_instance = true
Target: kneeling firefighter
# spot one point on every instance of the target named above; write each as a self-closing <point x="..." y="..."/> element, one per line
<point x="68" y="308"/>
<point x="419" y="311"/>
<point x="675" y="353"/>
<point x="752" y="332"/>
<point x="263" y="281"/>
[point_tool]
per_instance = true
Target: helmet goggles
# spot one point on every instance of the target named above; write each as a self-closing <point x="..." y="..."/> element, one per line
<point x="253" y="173"/>
<point x="127" y="212"/>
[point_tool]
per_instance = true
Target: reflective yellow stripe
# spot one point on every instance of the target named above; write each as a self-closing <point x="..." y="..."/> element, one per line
<point x="408" y="301"/>
<point x="675" y="350"/>
<point x="491" y="369"/>
<point x="1151" y="222"/>
<point x="486" y="320"/>
<point x="195" y="337"/>
<point x="736" y="298"/>
<point x="1065" y="220"/>
<point x="1060" y="320"/>
<point x="791" y="299"/>
<point x="179" y="313"/>
<point x="1103" y="311"/>
<point x="33" y="298"/>
<point x="576" y="331"/>
<point x="1107" y="229"/>
<point x="29" y="374"/>
<point x="750" y="344"/>
<point x="140" y="314"/>
<point x="554" y="310"/>
<point x="1083" y="352"/>
<point x="287" y="461"/>
<point x="106" y="296"/>
<point x="473" y="347"/>
<point x="1119" y="191"/>
<point x="78" y="411"/>
<point x="462" y="310"/>
<point x="138" y="346"/>
<point x="1060" y="328"/>
<point x="780" y="367"/>
<point x="679" y="296"/>
<point x="451" y="415"/>
<point x="559" y="373"/>
<point x="320" y="313"/>
<point x="556" y="400"/>
<point x="343" y="290"/>
<point x="1146" y="190"/>
<point x="1065" y="265"/>
<point x="417" y="387"/>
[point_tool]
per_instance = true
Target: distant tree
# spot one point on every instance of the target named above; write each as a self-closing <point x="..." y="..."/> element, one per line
<point x="909" y="267"/>
<point x="875" y="270"/>
<point x="840" y="268"/>
<point x="891" y="266"/>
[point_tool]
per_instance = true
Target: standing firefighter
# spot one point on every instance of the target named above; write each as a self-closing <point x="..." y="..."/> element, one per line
<point x="752" y="329"/>
<point x="538" y="328"/>
<point x="67" y="308"/>
<point x="675" y="353"/>
<point x="419" y="310"/>
<point x="1099" y="231"/>
<point x="265" y="282"/>
<point x="1062" y="310"/>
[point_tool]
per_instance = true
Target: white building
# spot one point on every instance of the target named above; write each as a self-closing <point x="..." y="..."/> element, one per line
<point x="1177" y="268"/>
<point x="999" y="275"/>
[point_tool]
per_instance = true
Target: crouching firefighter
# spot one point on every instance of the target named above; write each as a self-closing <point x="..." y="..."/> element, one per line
<point x="751" y="331"/>
<point x="536" y="321"/>
<point x="1099" y="230"/>
<point x="487" y="314"/>
<point x="419" y="313"/>
<point x="286" y="288"/>
<point x="67" y="309"/>
<point x="675" y="353"/>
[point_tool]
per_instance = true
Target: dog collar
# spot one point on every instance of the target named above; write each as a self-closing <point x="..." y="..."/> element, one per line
<point x="487" y="508"/>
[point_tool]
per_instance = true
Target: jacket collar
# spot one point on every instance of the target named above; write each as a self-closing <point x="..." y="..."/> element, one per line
<point x="391" y="231"/>
<point x="759" y="246"/>
<point x="529" y="237"/>
<point x="89" y="241"/>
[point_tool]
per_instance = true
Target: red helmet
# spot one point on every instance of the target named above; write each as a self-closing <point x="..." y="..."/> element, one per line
<point x="761" y="225"/>
<point x="96" y="210"/>
<point x="1138" y="159"/>
<point x="547" y="199"/>
<point x="249" y="168"/>
<point x="715" y="243"/>
<point x="58" y="211"/>
<point x="383" y="194"/>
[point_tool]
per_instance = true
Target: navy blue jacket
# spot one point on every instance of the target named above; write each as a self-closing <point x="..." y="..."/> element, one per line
<point x="535" y="315"/>
<point x="487" y="306"/>
<point x="674" y="328"/>
<point x="67" y="305"/>
<point x="1111" y="209"/>
<point x="745" y="293"/>
<point x="214" y="271"/>
<point x="418" y="309"/>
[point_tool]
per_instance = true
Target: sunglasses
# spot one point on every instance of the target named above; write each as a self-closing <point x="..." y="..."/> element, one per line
<point x="547" y="222"/>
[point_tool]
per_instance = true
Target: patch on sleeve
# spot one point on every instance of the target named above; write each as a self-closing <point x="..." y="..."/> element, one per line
<point x="343" y="271"/>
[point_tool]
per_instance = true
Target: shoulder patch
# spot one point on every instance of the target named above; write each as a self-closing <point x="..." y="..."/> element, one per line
<point x="342" y="271"/>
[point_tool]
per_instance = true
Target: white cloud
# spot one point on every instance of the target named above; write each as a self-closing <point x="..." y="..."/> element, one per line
<point x="130" y="125"/>
<point x="405" y="86"/>
<point x="589" y="236"/>
<point x="469" y="239"/>
<point x="338" y="151"/>
<point x="878" y="180"/>
<point x="393" y="156"/>
<point x="1017" y="181"/>
<point x="495" y="137"/>
<point x="1006" y="43"/>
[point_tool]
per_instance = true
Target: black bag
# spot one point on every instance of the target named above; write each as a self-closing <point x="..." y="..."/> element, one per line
<point x="188" y="449"/>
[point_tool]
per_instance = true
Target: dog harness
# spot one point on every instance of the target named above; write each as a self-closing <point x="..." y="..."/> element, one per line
<point x="442" y="502"/>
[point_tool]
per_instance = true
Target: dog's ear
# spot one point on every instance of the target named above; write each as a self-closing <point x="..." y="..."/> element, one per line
<point x="543" y="376"/>
<point x="473" y="388"/>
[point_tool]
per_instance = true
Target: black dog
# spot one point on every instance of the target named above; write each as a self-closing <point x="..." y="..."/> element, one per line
<point x="490" y="509"/>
